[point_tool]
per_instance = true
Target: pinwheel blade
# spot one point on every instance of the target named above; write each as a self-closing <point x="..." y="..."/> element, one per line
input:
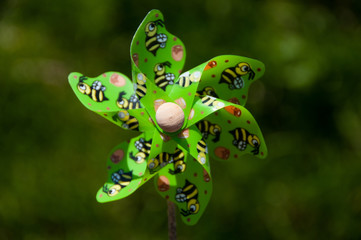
<point x="228" y="77"/>
<point x="112" y="96"/>
<point x="229" y="129"/>
<point x="157" y="53"/>
<point x="126" y="165"/>
<point x="190" y="189"/>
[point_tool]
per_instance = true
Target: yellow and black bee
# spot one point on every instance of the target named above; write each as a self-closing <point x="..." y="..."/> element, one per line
<point x="202" y="151"/>
<point x="242" y="138"/>
<point x="178" y="162"/>
<point x="207" y="91"/>
<point x="129" y="122"/>
<point x="95" y="92"/>
<point x="158" y="162"/>
<point x="143" y="148"/>
<point x="206" y="128"/>
<point x="161" y="78"/>
<point x="212" y="102"/>
<point x="189" y="195"/>
<point x="121" y="180"/>
<point x="154" y="40"/>
<point x="132" y="103"/>
<point x="186" y="79"/>
<point x="141" y="89"/>
<point x="233" y="76"/>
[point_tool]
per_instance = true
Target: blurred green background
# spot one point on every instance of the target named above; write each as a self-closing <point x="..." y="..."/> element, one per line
<point x="53" y="150"/>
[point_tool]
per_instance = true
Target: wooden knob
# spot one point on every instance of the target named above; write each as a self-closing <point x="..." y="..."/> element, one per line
<point x="170" y="117"/>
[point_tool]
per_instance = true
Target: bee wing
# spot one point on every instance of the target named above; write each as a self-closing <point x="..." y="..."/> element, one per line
<point x="230" y="118"/>
<point x="120" y="159"/>
<point x="195" y="174"/>
<point x="145" y="58"/>
<point x="109" y="86"/>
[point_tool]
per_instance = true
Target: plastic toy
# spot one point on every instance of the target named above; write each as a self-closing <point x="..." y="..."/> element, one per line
<point x="184" y="119"/>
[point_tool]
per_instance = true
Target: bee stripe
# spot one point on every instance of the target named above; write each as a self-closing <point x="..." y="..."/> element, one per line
<point x="244" y="134"/>
<point x="149" y="42"/>
<point x="133" y="123"/>
<point x="193" y="194"/>
<point x="141" y="91"/>
<point x="231" y="72"/>
<point x="94" y="96"/>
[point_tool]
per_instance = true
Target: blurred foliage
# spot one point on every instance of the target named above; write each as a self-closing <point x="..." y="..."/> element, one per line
<point x="308" y="105"/>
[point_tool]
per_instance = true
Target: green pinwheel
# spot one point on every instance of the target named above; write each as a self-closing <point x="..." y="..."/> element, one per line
<point x="185" y="119"/>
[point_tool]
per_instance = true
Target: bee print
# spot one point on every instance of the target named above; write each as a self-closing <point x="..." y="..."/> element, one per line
<point x="154" y="40"/>
<point x="162" y="79"/>
<point x="178" y="162"/>
<point x="233" y="76"/>
<point x="129" y="122"/>
<point x="143" y="148"/>
<point x="186" y="79"/>
<point x="95" y="92"/>
<point x="159" y="161"/>
<point x="121" y="180"/>
<point x="189" y="195"/>
<point x="202" y="151"/>
<point x="132" y="103"/>
<point x="207" y="91"/>
<point x="212" y="102"/>
<point x="206" y="128"/>
<point x="140" y="88"/>
<point x="242" y="139"/>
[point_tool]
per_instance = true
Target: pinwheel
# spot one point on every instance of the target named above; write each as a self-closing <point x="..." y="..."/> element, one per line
<point x="184" y="119"/>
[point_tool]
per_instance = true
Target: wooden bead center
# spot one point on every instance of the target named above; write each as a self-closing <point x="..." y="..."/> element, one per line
<point x="170" y="117"/>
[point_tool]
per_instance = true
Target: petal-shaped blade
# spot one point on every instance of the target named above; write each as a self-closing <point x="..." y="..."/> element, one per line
<point x="161" y="153"/>
<point x="126" y="166"/>
<point x="231" y="132"/>
<point x="153" y="96"/>
<point x="202" y="107"/>
<point x="228" y="77"/>
<point x="189" y="190"/>
<point x="191" y="140"/>
<point x="185" y="89"/>
<point x="156" y="52"/>
<point x="112" y="96"/>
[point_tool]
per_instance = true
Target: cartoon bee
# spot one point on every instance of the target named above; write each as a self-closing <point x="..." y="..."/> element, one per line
<point x="186" y="79"/>
<point x="120" y="180"/>
<point x="233" y="76"/>
<point x="178" y="162"/>
<point x="206" y="128"/>
<point x="207" y="91"/>
<point x="189" y="195"/>
<point x="129" y="122"/>
<point x="143" y="148"/>
<point x="202" y="151"/>
<point x="132" y="103"/>
<point x="163" y="79"/>
<point x="242" y="138"/>
<point x="154" y="40"/>
<point x="159" y="161"/>
<point x="212" y="102"/>
<point x="140" y="88"/>
<point x="95" y="92"/>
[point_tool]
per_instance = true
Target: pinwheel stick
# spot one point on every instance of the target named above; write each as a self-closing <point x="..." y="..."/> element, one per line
<point x="172" y="224"/>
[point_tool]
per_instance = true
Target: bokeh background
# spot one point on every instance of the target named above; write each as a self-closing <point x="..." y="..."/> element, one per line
<point x="53" y="150"/>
